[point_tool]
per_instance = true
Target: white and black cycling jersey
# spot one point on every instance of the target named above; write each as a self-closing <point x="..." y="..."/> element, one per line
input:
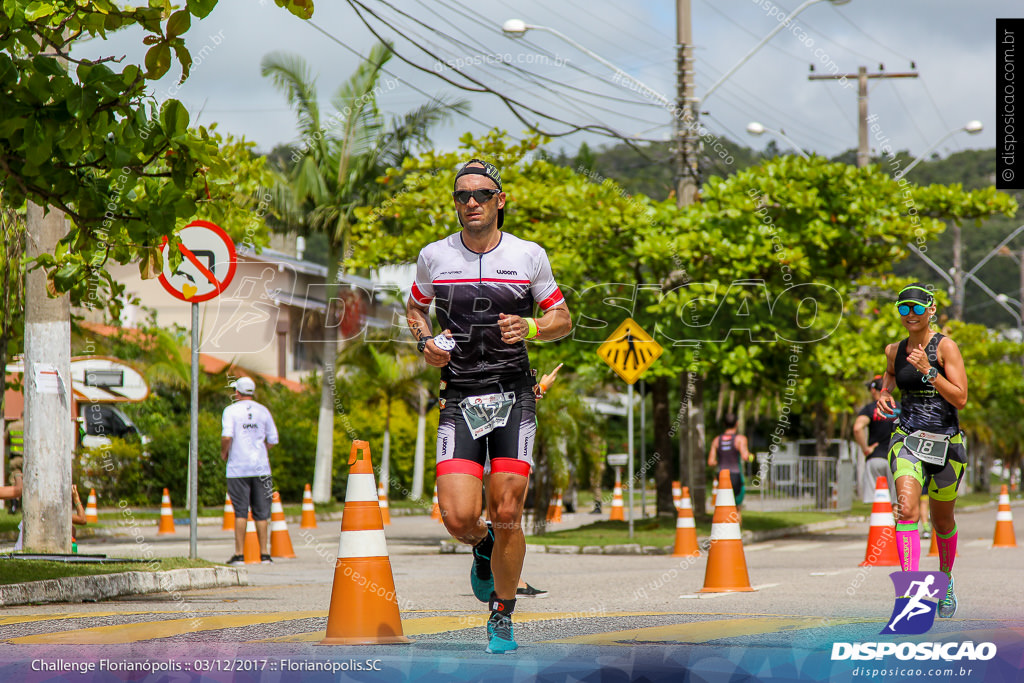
<point x="471" y="289"/>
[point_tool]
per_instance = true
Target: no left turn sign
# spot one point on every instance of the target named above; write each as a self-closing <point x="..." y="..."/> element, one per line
<point x="207" y="266"/>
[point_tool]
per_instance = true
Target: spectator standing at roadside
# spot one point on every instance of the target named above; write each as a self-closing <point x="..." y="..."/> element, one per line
<point x="872" y="430"/>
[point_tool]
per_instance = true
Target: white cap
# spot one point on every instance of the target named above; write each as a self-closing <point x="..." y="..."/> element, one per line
<point x="244" y="385"/>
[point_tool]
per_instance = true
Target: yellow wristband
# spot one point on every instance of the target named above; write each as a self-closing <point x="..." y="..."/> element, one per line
<point x="532" y="330"/>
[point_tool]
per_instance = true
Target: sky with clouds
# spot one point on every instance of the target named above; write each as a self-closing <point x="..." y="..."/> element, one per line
<point x="952" y="44"/>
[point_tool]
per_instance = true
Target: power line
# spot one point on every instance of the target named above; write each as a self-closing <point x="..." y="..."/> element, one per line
<point x="511" y="103"/>
<point x="849" y="21"/>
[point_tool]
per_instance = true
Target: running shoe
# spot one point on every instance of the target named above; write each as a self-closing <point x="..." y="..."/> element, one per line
<point x="265" y="559"/>
<point x="480" y="576"/>
<point x="947" y="606"/>
<point x="530" y="592"/>
<point x="236" y="561"/>
<point x="499" y="635"/>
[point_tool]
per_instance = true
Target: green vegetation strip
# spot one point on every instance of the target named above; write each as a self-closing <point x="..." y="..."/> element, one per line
<point x="662" y="532"/>
<point x="22" y="571"/>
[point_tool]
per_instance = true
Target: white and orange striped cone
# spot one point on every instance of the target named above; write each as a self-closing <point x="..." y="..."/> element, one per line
<point x="435" y="511"/>
<point x="881" y="550"/>
<point x="91" y="514"/>
<point x="558" y="507"/>
<point x="726" y="570"/>
<point x="166" y="515"/>
<point x="229" y="514"/>
<point x="714" y="494"/>
<point x="677" y="495"/>
<point x="308" y="511"/>
<point x="280" y="540"/>
<point x="364" y="606"/>
<point x="382" y="501"/>
<point x="617" y="509"/>
<point x="550" y="517"/>
<point x="251" y="550"/>
<point x="686" y="530"/>
<point x="1004" y="536"/>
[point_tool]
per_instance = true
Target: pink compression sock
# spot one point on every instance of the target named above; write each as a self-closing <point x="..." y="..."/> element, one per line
<point x="947" y="549"/>
<point x="908" y="545"/>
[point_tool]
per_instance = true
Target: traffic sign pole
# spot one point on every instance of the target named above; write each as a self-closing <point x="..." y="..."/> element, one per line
<point x="629" y="469"/>
<point x="193" y="442"/>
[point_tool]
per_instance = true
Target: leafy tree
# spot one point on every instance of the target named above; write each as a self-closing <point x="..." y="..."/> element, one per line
<point x="12" y="286"/>
<point x="334" y="171"/>
<point x="89" y="142"/>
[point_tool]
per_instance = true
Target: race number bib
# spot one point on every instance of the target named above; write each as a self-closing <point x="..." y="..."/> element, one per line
<point x="486" y="413"/>
<point x="928" y="447"/>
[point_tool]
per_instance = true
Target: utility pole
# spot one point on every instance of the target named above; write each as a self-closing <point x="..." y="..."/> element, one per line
<point x="687" y="183"/>
<point x="49" y="437"/>
<point x="862" y="76"/>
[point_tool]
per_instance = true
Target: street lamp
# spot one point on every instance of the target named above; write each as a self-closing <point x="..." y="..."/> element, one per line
<point x="517" y="28"/>
<point x="972" y="128"/>
<point x="771" y="34"/>
<point x="755" y="128"/>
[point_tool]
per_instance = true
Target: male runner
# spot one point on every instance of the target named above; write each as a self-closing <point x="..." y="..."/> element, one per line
<point x="485" y="284"/>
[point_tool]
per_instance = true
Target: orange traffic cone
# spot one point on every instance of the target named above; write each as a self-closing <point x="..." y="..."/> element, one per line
<point x="435" y="512"/>
<point x="726" y="570"/>
<point x="714" y="494"/>
<point x="677" y="495"/>
<point x="364" y="607"/>
<point x="90" y="507"/>
<point x="166" y="515"/>
<point x="382" y="501"/>
<point x="617" y="511"/>
<point x="686" y="531"/>
<point x="280" y="541"/>
<point x="308" y="512"/>
<point x="229" y="514"/>
<point x="558" y="507"/>
<point x="933" y="551"/>
<point x="251" y="550"/>
<point x="1004" y="536"/>
<point x="881" y="550"/>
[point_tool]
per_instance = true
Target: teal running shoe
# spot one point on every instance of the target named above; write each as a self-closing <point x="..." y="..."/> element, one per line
<point x="480" y="576"/>
<point x="947" y="606"/>
<point x="499" y="635"/>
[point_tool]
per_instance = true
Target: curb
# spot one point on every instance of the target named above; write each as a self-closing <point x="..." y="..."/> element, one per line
<point x="104" y="586"/>
<point x="449" y="547"/>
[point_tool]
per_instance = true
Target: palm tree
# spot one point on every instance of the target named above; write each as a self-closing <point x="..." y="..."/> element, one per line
<point x="385" y="374"/>
<point x="334" y="170"/>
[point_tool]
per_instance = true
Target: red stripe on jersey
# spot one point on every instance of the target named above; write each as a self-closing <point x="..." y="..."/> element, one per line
<point x="419" y="296"/>
<point x="485" y="279"/>
<point x="553" y="300"/>
<point x="460" y="466"/>
<point x="510" y="465"/>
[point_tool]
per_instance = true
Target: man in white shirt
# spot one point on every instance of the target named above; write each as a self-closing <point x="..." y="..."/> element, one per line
<point x="247" y="434"/>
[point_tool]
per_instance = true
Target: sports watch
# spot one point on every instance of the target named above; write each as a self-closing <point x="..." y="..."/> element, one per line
<point x="930" y="375"/>
<point x="422" y="344"/>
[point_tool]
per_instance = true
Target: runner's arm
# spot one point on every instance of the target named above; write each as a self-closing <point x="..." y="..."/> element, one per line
<point x="860" y="432"/>
<point x="713" y="453"/>
<point x="418" y="319"/>
<point x="225" y="447"/>
<point x="741" y="444"/>
<point x="886" y="403"/>
<point x="952" y="387"/>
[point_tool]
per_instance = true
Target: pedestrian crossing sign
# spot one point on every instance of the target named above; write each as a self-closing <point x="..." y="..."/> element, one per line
<point x="629" y="351"/>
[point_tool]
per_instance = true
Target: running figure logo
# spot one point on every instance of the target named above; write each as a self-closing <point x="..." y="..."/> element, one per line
<point x="917" y="595"/>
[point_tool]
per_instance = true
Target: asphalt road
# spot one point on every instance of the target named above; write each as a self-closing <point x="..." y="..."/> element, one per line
<point x="605" y="617"/>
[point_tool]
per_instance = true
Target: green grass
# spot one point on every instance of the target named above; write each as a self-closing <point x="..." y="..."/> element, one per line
<point x="21" y="571"/>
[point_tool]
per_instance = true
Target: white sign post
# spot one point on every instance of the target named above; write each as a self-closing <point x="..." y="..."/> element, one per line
<point x="207" y="268"/>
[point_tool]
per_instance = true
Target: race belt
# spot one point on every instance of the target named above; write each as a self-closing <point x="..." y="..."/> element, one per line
<point x="488" y="412"/>
<point x="928" y="447"/>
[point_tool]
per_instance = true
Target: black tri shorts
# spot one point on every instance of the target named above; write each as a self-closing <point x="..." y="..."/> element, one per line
<point x="508" y="448"/>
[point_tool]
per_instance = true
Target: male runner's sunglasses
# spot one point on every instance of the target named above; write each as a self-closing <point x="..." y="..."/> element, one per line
<point x="904" y="309"/>
<point x="481" y="196"/>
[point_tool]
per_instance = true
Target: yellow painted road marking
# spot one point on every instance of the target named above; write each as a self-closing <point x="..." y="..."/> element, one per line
<point x="431" y="625"/>
<point x="4" y="621"/>
<point x="703" y="631"/>
<point x="135" y="632"/>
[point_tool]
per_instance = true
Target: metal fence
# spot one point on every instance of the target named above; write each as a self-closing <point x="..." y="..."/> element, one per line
<point x="789" y="480"/>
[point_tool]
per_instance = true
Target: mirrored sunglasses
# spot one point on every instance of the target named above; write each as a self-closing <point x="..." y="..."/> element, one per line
<point x="905" y="309"/>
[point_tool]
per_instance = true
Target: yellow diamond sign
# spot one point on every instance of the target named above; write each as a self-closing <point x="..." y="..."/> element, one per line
<point x="629" y="351"/>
